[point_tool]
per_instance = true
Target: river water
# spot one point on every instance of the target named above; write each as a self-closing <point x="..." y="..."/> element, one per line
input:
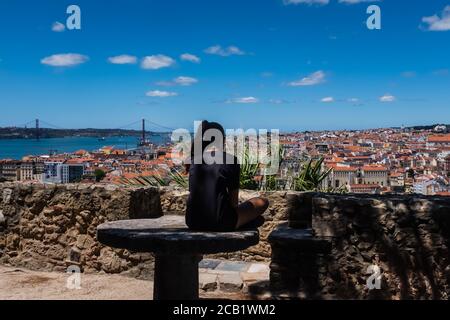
<point x="18" y="148"/>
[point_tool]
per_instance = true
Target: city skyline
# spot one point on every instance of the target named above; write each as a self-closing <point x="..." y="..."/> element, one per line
<point x="298" y="65"/>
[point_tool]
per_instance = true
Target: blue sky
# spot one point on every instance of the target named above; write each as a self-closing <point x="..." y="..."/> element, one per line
<point x="281" y="64"/>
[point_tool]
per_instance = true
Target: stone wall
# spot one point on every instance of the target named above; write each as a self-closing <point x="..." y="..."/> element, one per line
<point x="49" y="228"/>
<point x="407" y="237"/>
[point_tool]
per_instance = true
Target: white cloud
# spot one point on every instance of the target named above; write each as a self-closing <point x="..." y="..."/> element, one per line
<point x="320" y="2"/>
<point x="387" y="98"/>
<point x="123" y="59"/>
<point x="245" y="100"/>
<point x="279" y="101"/>
<point x="355" y="101"/>
<point x="438" y="23"/>
<point x="64" y="60"/>
<point x="157" y="62"/>
<point x="181" y="81"/>
<point x="161" y="94"/>
<point x="190" y="57"/>
<point x="356" y="1"/>
<point x="185" y="81"/>
<point x="327" y="99"/>
<point x="311" y="80"/>
<point x="58" y="27"/>
<point x="325" y="2"/>
<point x="224" y="52"/>
<point x="165" y="83"/>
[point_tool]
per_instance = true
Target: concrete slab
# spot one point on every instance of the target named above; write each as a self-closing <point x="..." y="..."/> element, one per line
<point x="258" y="268"/>
<point x="237" y="266"/>
<point x="230" y="282"/>
<point x="209" y="264"/>
<point x="254" y="277"/>
<point x="208" y="282"/>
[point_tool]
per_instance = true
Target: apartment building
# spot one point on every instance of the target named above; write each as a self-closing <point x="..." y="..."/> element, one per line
<point x="377" y="175"/>
<point x="71" y="173"/>
<point x="447" y="165"/>
<point x="342" y="176"/>
<point x="31" y="171"/>
<point x="10" y="170"/>
<point x="59" y="172"/>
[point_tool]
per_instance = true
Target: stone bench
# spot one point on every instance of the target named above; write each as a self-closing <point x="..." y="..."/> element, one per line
<point x="294" y="264"/>
<point x="177" y="250"/>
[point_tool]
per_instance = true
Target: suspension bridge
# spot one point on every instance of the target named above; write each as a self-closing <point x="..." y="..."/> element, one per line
<point x="144" y="126"/>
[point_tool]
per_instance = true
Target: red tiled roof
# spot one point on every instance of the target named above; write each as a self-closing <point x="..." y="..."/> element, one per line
<point x="365" y="186"/>
<point x="375" y="168"/>
<point x="441" y="138"/>
<point x="344" y="169"/>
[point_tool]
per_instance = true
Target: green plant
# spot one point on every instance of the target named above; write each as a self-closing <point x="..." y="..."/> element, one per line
<point x="179" y="179"/>
<point x="159" y="181"/>
<point x="340" y="190"/>
<point x="99" y="175"/>
<point x="270" y="178"/>
<point x="249" y="170"/>
<point x="311" y="176"/>
<point x="270" y="183"/>
<point x="147" y="181"/>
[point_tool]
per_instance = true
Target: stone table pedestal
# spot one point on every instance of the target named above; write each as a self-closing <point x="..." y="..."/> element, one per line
<point x="177" y="250"/>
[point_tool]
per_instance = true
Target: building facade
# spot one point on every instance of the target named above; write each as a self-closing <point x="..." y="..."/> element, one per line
<point x="31" y="171"/>
<point x="10" y="170"/>
<point x="377" y="175"/>
<point x="59" y="172"/>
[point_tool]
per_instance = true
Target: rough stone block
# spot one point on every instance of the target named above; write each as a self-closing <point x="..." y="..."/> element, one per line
<point x="300" y="209"/>
<point x="230" y="282"/>
<point x="208" y="282"/>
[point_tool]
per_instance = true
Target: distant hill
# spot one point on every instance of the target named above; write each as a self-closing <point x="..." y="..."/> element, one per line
<point x="431" y="127"/>
<point x="30" y="133"/>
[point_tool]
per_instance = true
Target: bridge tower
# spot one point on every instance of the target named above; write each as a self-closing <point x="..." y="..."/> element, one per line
<point x="37" y="130"/>
<point x="143" y="132"/>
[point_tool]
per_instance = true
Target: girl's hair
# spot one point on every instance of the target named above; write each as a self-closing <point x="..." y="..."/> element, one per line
<point x="205" y="126"/>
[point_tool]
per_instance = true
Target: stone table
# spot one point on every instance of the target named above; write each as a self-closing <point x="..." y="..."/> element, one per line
<point x="177" y="250"/>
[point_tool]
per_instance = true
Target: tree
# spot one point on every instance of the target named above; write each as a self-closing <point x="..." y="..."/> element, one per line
<point x="99" y="175"/>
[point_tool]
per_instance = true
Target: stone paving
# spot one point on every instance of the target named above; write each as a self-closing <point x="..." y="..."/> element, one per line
<point x="219" y="279"/>
<point x="231" y="276"/>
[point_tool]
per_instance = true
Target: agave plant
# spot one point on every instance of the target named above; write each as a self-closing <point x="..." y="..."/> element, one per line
<point x="270" y="179"/>
<point x="159" y="181"/>
<point x="311" y="176"/>
<point x="249" y="170"/>
<point x="181" y="180"/>
<point x="270" y="183"/>
<point x="144" y="181"/>
<point x="340" y="190"/>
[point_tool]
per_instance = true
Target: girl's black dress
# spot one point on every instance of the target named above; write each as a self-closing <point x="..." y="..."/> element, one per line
<point x="209" y="207"/>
